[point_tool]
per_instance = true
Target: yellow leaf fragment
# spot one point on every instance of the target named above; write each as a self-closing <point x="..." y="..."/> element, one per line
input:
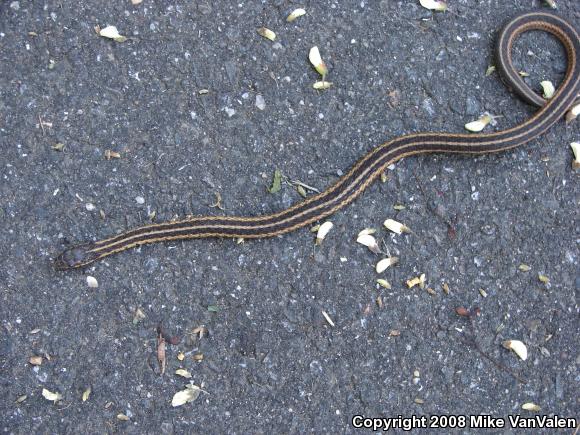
<point x="576" y="151"/>
<point x="182" y="397"/>
<point x="323" y="231"/>
<point x="86" y="394"/>
<point x="385" y="263"/>
<point x="548" y="88"/>
<point x="122" y="417"/>
<point x="524" y="267"/>
<point x="21" y="399"/>
<point x="543" y="278"/>
<point x="296" y="13"/>
<point x="419" y="280"/>
<point x="490" y="70"/>
<point x="518" y="347"/>
<point x="182" y="372"/>
<point x="111" y="32"/>
<point x="180" y="356"/>
<point x="531" y="407"/>
<point x="49" y="395"/>
<point x="322" y="85"/>
<point x="316" y="61"/>
<point x="482" y="292"/>
<point x="58" y="146"/>
<point x="384" y="283"/>
<point x="434" y="5"/>
<point x="523" y="74"/>
<point x="480" y="124"/>
<point x="267" y="33"/>
<point x="396" y="227"/>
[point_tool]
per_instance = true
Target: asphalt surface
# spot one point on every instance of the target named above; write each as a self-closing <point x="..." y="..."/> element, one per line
<point x="270" y="361"/>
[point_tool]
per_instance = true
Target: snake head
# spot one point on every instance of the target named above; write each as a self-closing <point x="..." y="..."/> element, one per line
<point x="75" y="257"/>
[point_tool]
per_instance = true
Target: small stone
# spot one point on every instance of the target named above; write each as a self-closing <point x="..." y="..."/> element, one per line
<point x="140" y="200"/>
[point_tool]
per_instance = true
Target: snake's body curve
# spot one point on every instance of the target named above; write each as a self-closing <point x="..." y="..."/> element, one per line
<point x="370" y="166"/>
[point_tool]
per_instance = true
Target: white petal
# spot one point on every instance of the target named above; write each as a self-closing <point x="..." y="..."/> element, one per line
<point x="518" y="347"/>
<point x="531" y="407"/>
<point x="548" y="88"/>
<point x="295" y="14"/>
<point x="370" y="242"/>
<point x="323" y="231"/>
<point x="480" y="124"/>
<point x="316" y="61"/>
<point x="396" y="227"/>
<point x="434" y="5"/>
<point x="49" y="395"/>
<point x="267" y="33"/>
<point x="92" y="282"/>
<point x="386" y="262"/>
<point x="321" y="85"/>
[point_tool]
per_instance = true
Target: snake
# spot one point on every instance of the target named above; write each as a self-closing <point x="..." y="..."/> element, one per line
<point x="368" y="168"/>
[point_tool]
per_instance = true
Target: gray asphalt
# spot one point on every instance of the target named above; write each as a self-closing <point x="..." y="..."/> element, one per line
<point x="271" y="362"/>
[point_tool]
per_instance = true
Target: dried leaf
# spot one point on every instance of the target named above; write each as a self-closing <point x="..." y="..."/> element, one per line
<point x="295" y="14"/>
<point x="180" y="356"/>
<point x="35" y="360"/>
<point x="445" y="287"/>
<point x="109" y="154"/>
<point x="518" y="347"/>
<point x="266" y="33"/>
<point x="182" y="372"/>
<point x="49" y="395"/>
<point x="276" y="182"/>
<point x="434" y="5"/>
<point x="161" y="358"/>
<point x="138" y="316"/>
<point x="111" y="32"/>
<point x="385" y="263"/>
<point x="188" y="395"/>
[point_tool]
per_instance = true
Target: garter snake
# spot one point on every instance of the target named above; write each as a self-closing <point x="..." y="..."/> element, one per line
<point x="370" y="166"/>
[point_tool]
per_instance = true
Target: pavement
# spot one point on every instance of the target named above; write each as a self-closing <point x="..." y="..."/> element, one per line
<point x="195" y="103"/>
